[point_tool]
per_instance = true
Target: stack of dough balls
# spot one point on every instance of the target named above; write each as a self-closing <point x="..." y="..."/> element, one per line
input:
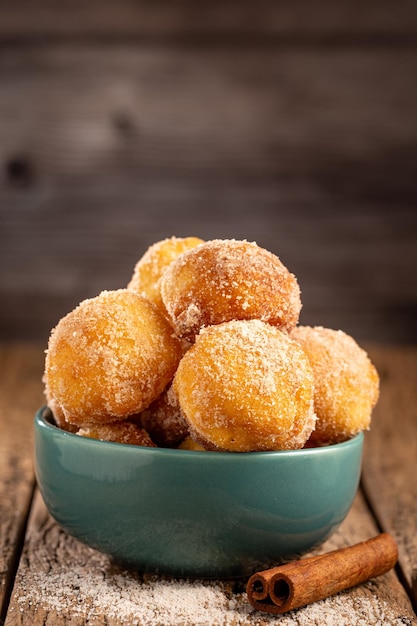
<point x="202" y="350"/>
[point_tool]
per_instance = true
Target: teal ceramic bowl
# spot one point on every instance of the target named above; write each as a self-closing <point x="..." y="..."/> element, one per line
<point x="194" y="514"/>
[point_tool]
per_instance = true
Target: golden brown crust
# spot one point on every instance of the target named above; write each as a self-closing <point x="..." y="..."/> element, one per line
<point x="164" y="421"/>
<point x="246" y="386"/>
<point x="150" y="267"/>
<point x="109" y="358"/>
<point x="119" y="432"/>
<point x="346" y="382"/>
<point x="223" y="280"/>
<point x="59" y="418"/>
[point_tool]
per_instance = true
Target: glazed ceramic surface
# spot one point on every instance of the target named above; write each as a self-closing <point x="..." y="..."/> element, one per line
<point x="189" y="513"/>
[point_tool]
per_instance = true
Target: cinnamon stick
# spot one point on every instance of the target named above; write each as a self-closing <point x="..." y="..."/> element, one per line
<point x="309" y="580"/>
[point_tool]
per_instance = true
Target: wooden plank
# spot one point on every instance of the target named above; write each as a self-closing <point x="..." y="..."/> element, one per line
<point x="391" y="454"/>
<point x="60" y="581"/>
<point x="116" y="113"/>
<point x="21" y="369"/>
<point x="355" y="262"/>
<point x="182" y="18"/>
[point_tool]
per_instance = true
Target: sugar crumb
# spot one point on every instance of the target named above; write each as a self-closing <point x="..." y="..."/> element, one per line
<point x="97" y="587"/>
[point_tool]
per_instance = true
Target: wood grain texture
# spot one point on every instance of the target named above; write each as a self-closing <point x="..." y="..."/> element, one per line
<point x="287" y="147"/>
<point x="20" y="393"/>
<point x="184" y="18"/>
<point x="55" y="585"/>
<point x="114" y="113"/>
<point x="390" y="455"/>
<point x="355" y="263"/>
<point x="289" y="123"/>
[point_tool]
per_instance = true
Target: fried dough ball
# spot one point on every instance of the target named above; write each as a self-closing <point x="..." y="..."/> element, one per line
<point x="58" y="414"/>
<point x="151" y="266"/>
<point x="223" y="280"/>
<point x="346" y="383"/>
<point x="164" y="421"/>
<point x="120" y="432"/>
<point x="246" y="386"/>
<point x="109" y="358"/>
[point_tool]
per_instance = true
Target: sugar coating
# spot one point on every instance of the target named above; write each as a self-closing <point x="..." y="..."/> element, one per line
<point x="58" y="413"/>
<point x="346" y="383"/>
<point x="150" y="267"/>
<point x="84" y="591"/>
<point x="228" y="279"/>
<point x="164" y="420"/>
<point x="118" y="432"/>
<point x="245" y="386"/>
<point x="109" y="358"/>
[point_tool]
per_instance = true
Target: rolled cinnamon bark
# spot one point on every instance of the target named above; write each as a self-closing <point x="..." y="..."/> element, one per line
<point x="309" y="580"/>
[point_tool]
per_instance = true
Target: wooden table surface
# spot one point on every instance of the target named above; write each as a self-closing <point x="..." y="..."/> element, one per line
<point x="47" y="577"/>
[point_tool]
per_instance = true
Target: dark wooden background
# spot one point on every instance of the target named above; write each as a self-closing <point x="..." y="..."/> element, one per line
<point x="290" y="123"/>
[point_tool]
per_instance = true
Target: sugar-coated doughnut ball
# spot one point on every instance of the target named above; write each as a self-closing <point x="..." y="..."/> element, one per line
<point x="223" y="280"/>
<point x="109" y="358"/>
<point x="58" y="414"/>
<point x="246" y="386"/>
<point x="346" y="383"/>
<point x="164" y="421"/>
<point x="118" y="432"/>
<point x="150" y="267"/>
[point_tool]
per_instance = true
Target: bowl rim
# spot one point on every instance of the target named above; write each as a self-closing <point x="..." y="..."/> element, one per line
<point x="43" y="416"/>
